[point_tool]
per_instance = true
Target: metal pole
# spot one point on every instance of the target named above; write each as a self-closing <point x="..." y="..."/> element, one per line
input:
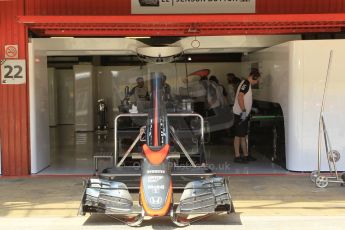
<point x="329" y="150"/>
<point x="181" y="146"/>
<point x="322" y="109"/>
<point x="191" y="115"/>
<point x="142" y="131"/>
<point x="115" y="130"/>
<point x="319" y="148"/>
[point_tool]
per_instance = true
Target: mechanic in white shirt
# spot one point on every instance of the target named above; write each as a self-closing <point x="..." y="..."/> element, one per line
<point x="139" y="92"/>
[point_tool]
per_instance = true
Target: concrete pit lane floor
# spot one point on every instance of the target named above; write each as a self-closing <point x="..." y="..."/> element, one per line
<point x="289" y="201"/>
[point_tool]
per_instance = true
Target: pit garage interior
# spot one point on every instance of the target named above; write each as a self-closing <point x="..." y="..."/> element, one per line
<point x="80" y="71"/>
<point x="74" y="139"/>
<point x="78" y="56"/>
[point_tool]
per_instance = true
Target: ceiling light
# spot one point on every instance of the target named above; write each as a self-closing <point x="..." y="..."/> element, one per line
<point x="137" y="37"/>
<point x="61" y="37"/>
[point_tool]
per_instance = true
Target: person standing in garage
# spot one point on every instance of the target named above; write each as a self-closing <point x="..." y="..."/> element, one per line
<point x="166" y="89"/>
<point x="242" y="107"/>
<point x="198" y="91"/>
<point x="139" y="92"/>
<point x="233" y="83"/>
<point x="221" y="91"/>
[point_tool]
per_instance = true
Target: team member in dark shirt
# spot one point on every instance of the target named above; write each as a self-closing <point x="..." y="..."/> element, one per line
<point x="242" y="107"/>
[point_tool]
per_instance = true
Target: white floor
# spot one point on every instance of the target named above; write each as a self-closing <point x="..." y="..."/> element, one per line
<point x="72" y="153"/>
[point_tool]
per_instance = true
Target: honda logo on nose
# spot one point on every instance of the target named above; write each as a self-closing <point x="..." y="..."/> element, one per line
<point x="156" y="200"/>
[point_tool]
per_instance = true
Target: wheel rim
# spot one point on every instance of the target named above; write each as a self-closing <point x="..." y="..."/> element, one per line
<point x="314" y="175"/>
<point x="334" y="154"/>
<point x="321" y="182"/>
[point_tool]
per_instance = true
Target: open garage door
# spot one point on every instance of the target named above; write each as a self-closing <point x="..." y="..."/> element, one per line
<point x="194" y="27"/>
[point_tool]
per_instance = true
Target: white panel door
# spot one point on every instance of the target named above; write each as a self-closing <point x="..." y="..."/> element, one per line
<point x="52" y="97"/>
<point x="65" y="96"/>
<point x="39" y="111"/>
<point x="84" y="90"/>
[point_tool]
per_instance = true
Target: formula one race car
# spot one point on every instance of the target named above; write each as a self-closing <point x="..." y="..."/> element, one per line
<point x="158" y="179"/>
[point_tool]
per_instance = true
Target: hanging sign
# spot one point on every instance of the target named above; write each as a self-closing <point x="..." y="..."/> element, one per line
<point x="192" y="6"/>
<point x="11" y="51"/>
<point x="13" y="72"/>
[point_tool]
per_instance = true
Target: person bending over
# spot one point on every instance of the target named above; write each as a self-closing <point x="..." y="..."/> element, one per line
<point x="242" y="107"/>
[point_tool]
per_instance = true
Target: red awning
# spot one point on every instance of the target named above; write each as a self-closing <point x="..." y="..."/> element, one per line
<point x="183" y="25"/>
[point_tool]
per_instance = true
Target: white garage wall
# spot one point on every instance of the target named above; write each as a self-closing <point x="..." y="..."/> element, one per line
<point x="65" y="96"/>
<point x="293" y="75"/>
<point x="39" y="110"/>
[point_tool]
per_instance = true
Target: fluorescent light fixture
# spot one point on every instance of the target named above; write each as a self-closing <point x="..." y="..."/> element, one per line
<point x="115" y="73"/>
<point x="61" y="37"/>
<point x="137" y="37"/>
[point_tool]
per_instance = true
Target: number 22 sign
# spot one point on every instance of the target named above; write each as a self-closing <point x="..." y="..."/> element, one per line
<point x="13" y="72"/>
